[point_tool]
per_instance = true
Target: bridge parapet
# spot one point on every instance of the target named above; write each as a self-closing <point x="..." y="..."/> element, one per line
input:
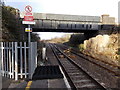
<point x="67" y="23"/>
<point x="78" y="18"/>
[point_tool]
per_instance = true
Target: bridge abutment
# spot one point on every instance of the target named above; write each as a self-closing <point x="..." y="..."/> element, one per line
<point x="108" y="32"/>
<point x="90" y="34"/>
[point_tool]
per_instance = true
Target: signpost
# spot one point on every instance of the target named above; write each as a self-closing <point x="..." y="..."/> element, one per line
<point x="28" y="19"/>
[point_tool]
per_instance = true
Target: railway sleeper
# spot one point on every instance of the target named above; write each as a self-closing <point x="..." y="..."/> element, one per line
<point x="91" y="85"/>
<point x="75" y="73"/>
<point x="70" y="67"/>
<point x="82" y="80"/>
<point x="85" y="84"/>
<point x="75" y="78"/>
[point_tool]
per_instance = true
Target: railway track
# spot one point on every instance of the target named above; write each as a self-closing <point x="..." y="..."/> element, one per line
<point x="76" y="76"/>
<point x="106" y="74"/>
<point x="103" y="63"/>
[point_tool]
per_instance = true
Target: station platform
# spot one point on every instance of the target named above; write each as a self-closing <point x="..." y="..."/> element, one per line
<point x="45" y="81"/>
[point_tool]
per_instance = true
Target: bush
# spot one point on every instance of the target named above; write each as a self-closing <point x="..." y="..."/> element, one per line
<point x="118" y="51"/>
<point x="81" y="47"/>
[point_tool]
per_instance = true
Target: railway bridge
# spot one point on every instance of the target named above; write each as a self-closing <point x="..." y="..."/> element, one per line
<point x="89" y="25"/>
<point x="65" y="23"/>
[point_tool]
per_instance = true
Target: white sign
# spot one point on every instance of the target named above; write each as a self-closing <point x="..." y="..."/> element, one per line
<point x="28" y="22"/>
<point x="28" y="18"/>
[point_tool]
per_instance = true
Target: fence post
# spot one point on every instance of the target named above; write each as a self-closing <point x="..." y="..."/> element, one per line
<point x="7" y="69"/>
<point x="12" y="60"/>
<point x="10" y="73"/>
<point x="25" y="59"/>
<point x="1" y="57"/>
<point x="29" y="61"/>
<point x="33" y="59"/>
<point x="21" y="62"/>
<point x="5" y="62"/>
<point x="16" y="61"/>
<point x="1" y="63"/>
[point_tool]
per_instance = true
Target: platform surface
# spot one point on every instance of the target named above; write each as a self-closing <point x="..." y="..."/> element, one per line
<point x="48" y="84"/>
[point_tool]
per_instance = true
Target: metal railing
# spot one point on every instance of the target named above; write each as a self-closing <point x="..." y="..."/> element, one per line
<point x="15" y="60"/>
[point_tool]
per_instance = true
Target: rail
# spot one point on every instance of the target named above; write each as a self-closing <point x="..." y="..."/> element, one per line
<point x="70" y="69"/>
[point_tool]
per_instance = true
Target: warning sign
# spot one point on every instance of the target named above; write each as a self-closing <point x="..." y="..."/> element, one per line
<point x="28" y="18"/>
<point x="28" y="9"/>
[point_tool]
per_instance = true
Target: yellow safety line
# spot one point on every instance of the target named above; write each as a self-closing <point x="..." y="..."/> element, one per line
<point x="28" y="85"/>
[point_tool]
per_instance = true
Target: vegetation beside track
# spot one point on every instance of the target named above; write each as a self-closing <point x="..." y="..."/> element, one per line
<point x="102" y="47"/>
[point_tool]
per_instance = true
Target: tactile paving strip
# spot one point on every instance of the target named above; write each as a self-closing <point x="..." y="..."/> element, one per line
<point x="47" y="72"/>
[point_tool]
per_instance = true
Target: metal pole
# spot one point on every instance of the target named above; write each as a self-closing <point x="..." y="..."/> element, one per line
<point x="29" y="39"/>
<point x="29" y="62"/>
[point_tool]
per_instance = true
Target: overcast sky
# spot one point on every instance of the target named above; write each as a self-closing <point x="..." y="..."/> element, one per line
<point x="74" y="7"/>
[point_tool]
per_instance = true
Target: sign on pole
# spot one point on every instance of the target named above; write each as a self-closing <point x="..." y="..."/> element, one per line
<point x="28" y="18"/>
<point x="28" y="29"/>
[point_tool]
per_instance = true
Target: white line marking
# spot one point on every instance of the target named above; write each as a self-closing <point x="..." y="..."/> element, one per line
<point x="65" y="79"/>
